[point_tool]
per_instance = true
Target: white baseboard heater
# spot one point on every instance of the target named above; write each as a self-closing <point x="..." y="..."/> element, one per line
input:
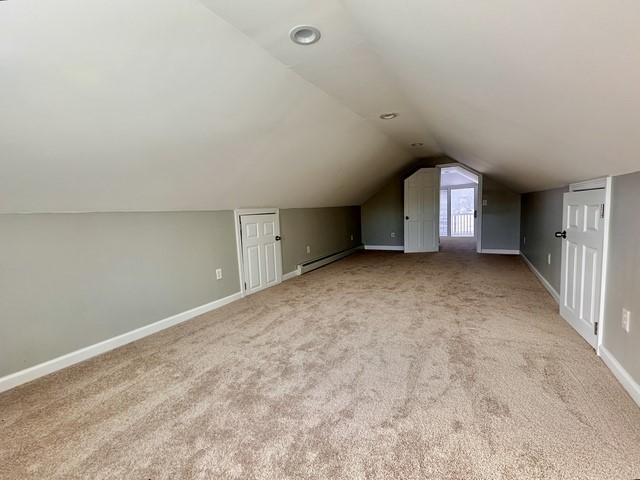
<point x="322" y="261"/>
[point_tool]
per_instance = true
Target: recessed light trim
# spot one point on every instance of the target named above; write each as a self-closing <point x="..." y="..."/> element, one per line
<point x="305" y="35"/>
<point x="417" y="144"/>
<point x="389" y="116"/>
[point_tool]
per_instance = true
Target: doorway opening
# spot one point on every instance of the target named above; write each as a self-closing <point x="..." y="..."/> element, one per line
<point x="459" y="224"/>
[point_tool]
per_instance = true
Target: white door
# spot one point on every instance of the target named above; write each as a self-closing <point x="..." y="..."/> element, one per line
<point x="421" y="193"/>
<point x="582" y="250"/>
<point x="261" y="252"/>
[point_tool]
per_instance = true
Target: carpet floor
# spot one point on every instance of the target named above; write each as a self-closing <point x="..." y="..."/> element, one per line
<point x="381" y="365"/>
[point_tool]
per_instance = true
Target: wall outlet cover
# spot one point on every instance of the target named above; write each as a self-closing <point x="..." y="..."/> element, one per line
<point x="549" y="258"/>
<point x="484" y="203"/>
<point x="308" y="249"/>
<point x="393" y="234"/>
<point x="352" y="237"/>
<point x="626" y="320"/>
<point x="218" y="274"/>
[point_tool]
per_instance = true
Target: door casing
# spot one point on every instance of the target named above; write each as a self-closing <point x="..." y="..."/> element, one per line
<point x="478" y="223"/>
<point x="239" y="212"/>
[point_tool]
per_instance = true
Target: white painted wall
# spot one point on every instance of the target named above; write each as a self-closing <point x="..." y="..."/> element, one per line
<point x="161" y="105"/>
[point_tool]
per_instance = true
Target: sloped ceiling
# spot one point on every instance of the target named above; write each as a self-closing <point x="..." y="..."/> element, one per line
<point x="537" y="94"/>
<point x="127" y="105"/>
<point x="206" y="104"/>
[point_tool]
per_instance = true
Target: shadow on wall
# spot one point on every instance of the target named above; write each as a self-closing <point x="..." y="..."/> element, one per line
<point x="383" y="214"/>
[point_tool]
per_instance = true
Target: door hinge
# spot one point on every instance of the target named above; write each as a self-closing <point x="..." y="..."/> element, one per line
<point x="602" y="211"/>
<point x="595" y="328"/>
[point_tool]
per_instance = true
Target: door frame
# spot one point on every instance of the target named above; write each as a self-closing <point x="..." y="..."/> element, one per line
<point x="605" y="183"/>
<point x="239" y="212"/>
<point x="478" y="200"/>
<point x="474" y="186"/>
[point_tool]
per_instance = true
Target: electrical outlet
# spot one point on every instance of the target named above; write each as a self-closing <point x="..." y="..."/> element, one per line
<point x="549" y="258"/>
<point x="393" y="234"/>
<point x="524" y="240"/>
<point x="626" y="320"/>
<point x="218" y="274"/>
<point x="308" y="249"/>
<point x="352" y="237"/>
<point x="484" y="203"/>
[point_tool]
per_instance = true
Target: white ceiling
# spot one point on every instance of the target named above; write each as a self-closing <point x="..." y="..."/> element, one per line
<point x="453" y="176"/>
<point x="535" y="93"/>
<point x="161" y="105"/>
<point x="206" y="104"/>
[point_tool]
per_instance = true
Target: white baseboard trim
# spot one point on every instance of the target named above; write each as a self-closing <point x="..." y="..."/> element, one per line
<point x="290" y="275"/>
<point x="14" y="379"/>
<point x="497" y="251"/>
<point x="629" y="384"/>
<point x="545" y="283"/>
<point x="321" y="262"/>
<point x="394" y="248"/>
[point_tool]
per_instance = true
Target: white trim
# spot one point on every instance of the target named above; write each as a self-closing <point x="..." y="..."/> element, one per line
<point x="478" y="223"/>
<point x="630" y="385"/>
<point x="237" y="213"/>
<point x="290" y="275"/>
<point x="23" y="376"/>
<point x="608" y="195"/>
<point x="497" y="251"/>
<point x="594" y="184"/>
<point x="544" y="281"/>
<point x="321" y="262"/>
<point x="395" y="248"/>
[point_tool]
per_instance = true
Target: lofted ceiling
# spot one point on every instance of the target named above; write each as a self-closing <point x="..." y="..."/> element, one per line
<point x="207" y="104"/>
<point x="155" y="105"/>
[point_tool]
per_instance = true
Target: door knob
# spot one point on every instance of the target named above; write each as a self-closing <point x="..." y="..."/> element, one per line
<point x="278" y="238"/>
<point x="406" y="218"/>
<point x="562" y="234"/>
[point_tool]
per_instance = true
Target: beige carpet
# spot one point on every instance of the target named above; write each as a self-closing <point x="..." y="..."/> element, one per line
<point x="383" y="365"/>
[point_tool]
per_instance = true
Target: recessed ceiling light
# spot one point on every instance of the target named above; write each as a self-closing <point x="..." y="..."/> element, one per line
<point x="417" y="144"/>
<point x="305" y="34"/>
<point x="388" y="116"/>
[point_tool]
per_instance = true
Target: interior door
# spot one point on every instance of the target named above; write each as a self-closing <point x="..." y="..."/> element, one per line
<point x="421" y="192"/>
<point x="261" y="251"/>
<point x="582" y="249"/>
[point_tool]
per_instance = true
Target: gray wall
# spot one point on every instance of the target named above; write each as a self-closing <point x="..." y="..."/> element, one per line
<point x="71" y="280"/>
<point x="542" y="215"/>
<point x="500" y="217"/>
<point x="68" y="281"/>
<point x="541" y="218"/>
<point x="325" y="230"/>
<point x="383" y="214"/>
<point x="623" y="274"/>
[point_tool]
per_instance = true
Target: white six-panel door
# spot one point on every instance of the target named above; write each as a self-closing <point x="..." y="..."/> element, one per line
<point x="261" y="252"/>
<point x="421" y="205"/>
<point x="582" y="251"/>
